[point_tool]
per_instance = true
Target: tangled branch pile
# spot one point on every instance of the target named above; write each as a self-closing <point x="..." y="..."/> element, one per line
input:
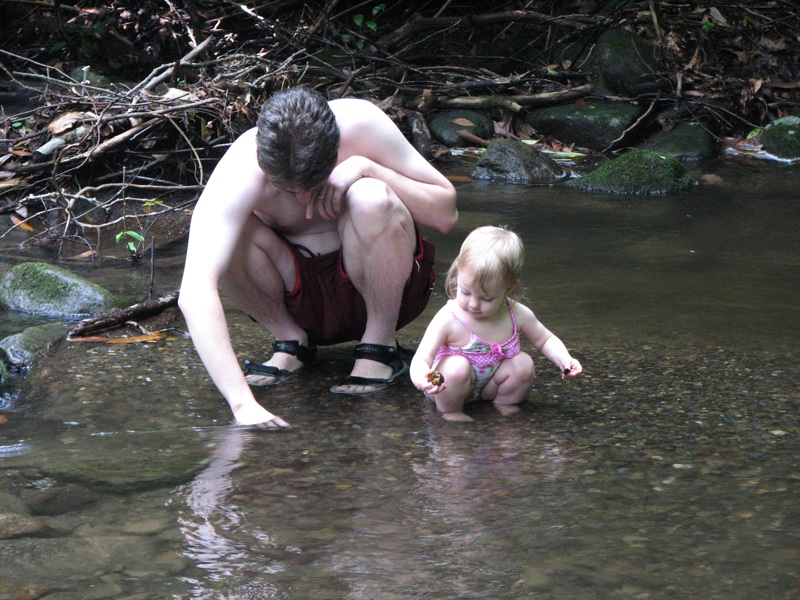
<point x="91" y="155"/>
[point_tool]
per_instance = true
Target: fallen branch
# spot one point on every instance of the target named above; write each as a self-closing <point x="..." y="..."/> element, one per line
<point x="119" y="316"/>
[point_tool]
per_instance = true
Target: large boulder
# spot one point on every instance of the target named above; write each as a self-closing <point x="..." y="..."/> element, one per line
<point x="43" y="289"/>
<point x="516" y="162"/>
<point x="686" y="141"/>
<point x="594" y="125"/>
<point x="626" y="65"/>
<point x="637" y="172"/>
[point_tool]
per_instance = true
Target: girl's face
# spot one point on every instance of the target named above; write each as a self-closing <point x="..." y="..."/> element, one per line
<point x="476" y="302"/>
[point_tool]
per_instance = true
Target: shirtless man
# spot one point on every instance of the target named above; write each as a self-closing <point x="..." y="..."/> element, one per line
<point x="315" y="184"/>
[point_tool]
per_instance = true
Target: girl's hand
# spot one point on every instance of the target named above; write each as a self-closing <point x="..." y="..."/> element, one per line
<point x="434" y="383"/>
<point x="572" y="370"/>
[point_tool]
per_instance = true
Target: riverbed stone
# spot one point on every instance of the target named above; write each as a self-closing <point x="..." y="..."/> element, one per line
<point x="510" y="161"/>
<point x="14" y="525"/>
<point x="781" y="138"/>
<point x="56" y="499"/>
<point x="594" y="125"/>
<point x="21" y="350"/>
<point x="637" y="172"/>
<point x="444" y="126"/>
<point x="48" y="290"/>
<point x="685" y="141"/>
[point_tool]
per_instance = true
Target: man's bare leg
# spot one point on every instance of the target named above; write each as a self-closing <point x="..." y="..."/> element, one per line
<point x="378" y="242"/>
<point x="261" y="271"/>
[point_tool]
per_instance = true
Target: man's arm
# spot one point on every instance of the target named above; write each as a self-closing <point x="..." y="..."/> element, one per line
<point x="218" y="222"/>
<point x="373" y="146"/>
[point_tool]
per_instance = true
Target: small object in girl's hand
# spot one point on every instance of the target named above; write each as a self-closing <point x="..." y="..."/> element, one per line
<point x="566" y="371"/>
<point x="435" y="378"/>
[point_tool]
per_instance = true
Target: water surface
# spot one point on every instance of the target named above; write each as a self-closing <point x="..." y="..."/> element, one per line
<point x="669" y="470"/>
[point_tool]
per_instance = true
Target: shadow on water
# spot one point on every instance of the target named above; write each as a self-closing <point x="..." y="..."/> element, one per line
<point x="669" y="470"/>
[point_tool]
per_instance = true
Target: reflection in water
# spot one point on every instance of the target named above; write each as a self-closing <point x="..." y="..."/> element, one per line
<point x="213" y="530"/>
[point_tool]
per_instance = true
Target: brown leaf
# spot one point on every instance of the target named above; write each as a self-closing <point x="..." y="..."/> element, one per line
<point x="66" y="121"/>
<point x="465" y="122"/>
<point x="148" y="337"/>
<point x="20" y="223"/>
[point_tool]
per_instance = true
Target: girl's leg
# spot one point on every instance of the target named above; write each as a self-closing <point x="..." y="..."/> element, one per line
<point x="511" y="383"/>
<point x="458" y="376"/>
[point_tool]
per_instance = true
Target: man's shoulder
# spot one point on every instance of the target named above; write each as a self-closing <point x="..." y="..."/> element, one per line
<point x="355" y="110"/>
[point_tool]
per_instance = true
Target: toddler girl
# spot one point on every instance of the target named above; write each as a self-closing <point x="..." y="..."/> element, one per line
<point x="471" y="349"/>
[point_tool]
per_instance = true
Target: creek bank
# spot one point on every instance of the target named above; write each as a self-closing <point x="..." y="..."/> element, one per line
<point x="630" y="106"/>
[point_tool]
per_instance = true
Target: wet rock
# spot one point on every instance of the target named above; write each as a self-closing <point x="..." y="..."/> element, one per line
<point x="444" y="126"/>
<point x="781" y="138"/>
<point x="516" y="162"/>
<point x="44" y="289"/>
<point x="686" y="141"/>
<point x="21" y="350"/>
<point x="57" y="500"/>
<point x="593" y="125"/>
<point x="122" y="464"/>
<point x="638" y="172"/>
<point x="13" y="525"/>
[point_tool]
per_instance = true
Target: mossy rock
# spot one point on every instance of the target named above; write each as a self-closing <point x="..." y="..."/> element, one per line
<point x="781" y="138"/>
<point x="686" y="141"/>
<point x="626" y="64"/>
<point x="595" y="124"/>
<point x="22" y="349"/>
<point x="44" y="289"/>
<point x="638" y="172"/>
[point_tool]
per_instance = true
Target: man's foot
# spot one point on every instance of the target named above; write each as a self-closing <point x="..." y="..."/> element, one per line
<point x="376" y="368"/>
<point x="288" y="358"/>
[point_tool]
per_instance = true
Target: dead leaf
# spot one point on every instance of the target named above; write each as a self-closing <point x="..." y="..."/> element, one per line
<point x="148" y="337"/>
<point x="717" y="16"/>
<point x="3" y="419"/>
<point x="772" y="45"/>
<point x="20" y="223"/>
<point x="66" y="121"/>
<point x="464" y="122"/>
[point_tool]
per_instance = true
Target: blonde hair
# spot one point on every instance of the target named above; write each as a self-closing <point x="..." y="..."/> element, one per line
<point x="490" y="255"/>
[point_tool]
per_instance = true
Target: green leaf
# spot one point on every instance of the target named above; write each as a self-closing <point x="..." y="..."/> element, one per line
<point x="358" y="20"/>
<point x="131" y="234"/>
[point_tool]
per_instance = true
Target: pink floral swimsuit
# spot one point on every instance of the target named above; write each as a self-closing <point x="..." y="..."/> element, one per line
<point x="483" y="356"/>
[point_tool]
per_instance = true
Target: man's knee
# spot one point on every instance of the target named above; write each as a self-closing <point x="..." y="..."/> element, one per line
<point x="372" y="203"/>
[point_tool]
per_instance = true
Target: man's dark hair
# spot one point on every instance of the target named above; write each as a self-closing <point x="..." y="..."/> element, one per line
<point x="297" y="140"/>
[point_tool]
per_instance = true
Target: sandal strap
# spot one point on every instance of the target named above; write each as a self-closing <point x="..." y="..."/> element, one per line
<point x="386" y="355"/>
<point x="304" y="354"/>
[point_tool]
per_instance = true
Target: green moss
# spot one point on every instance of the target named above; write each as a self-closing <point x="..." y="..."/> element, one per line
<point x="638" y="172"/>
<point x="49" y="286"/>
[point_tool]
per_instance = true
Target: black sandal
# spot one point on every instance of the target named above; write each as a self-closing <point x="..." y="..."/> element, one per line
<point x="386" y="355"/>
<point x="305" y="354"/>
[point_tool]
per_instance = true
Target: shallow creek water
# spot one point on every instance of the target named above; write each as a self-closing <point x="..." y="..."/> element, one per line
<point x="671" y="469"/>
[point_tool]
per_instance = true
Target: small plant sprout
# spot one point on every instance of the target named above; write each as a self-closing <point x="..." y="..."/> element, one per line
<point x="132" y="241"/>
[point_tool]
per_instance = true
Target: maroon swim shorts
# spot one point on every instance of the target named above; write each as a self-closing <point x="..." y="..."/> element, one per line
<point x="326" y="304"/>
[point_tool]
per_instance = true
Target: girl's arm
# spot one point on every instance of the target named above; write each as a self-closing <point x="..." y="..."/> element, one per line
<point x="435" y="337"/>
<point x="546" y="342"/>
